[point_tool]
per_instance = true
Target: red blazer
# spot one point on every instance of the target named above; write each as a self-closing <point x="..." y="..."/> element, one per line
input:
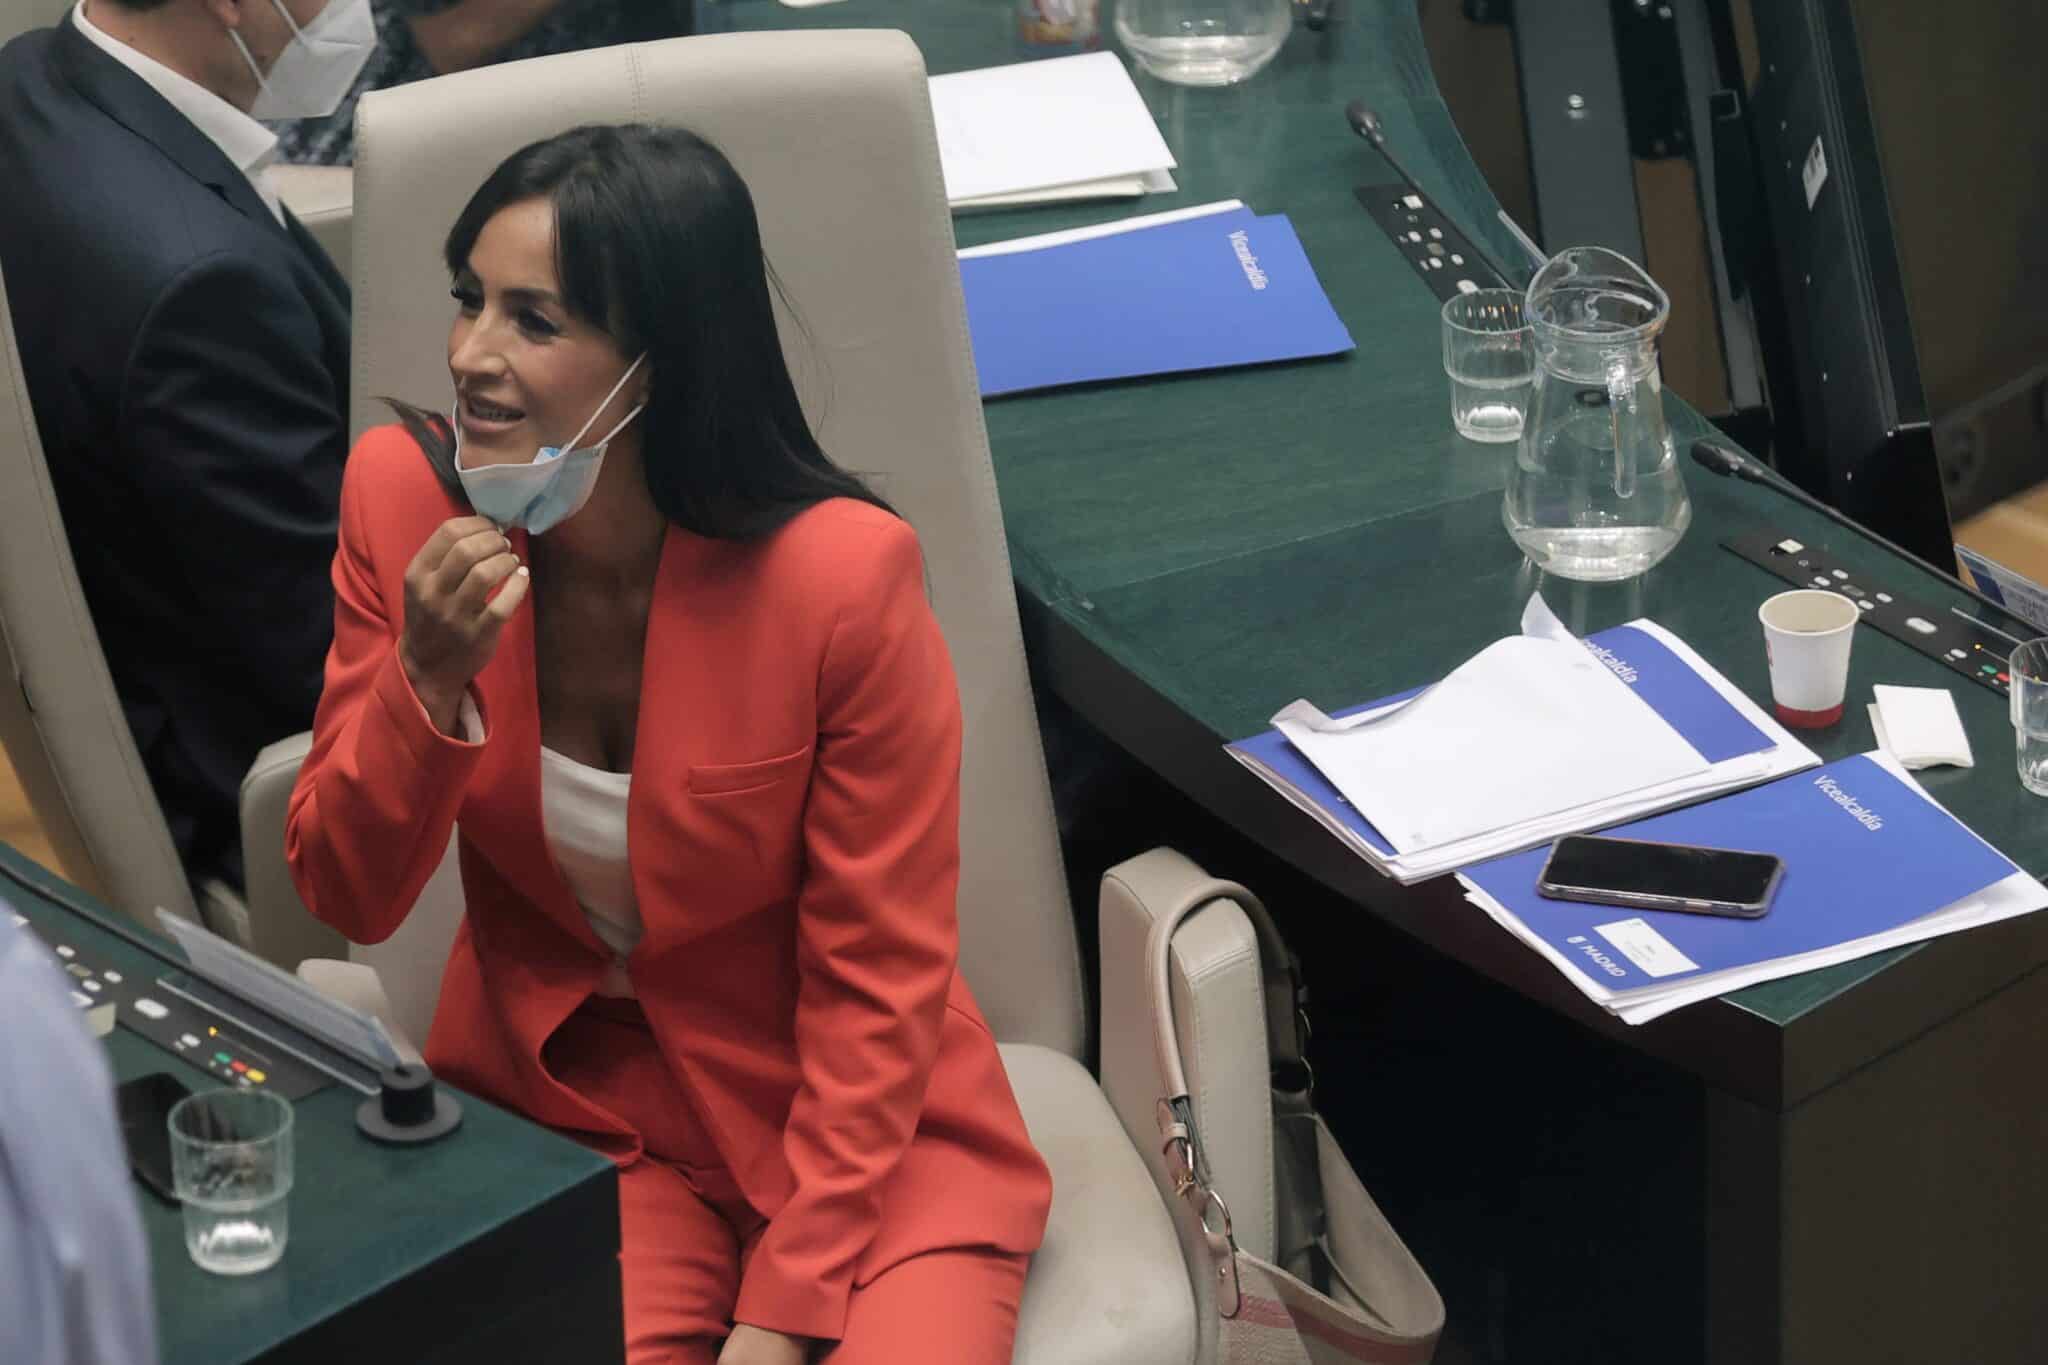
<point x="794" y="827"/>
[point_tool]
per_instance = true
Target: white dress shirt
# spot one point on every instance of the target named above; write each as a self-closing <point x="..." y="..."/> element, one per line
<point x="74" y="1269"/>
<point x="242" y="140"/>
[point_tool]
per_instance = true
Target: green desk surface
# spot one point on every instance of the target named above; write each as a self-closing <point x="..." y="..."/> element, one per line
<point x="499" y="1214"/>
<point x="1231" y="541"/>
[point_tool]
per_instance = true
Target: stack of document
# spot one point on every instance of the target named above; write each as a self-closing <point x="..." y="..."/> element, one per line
<point x="1191" y="289"/>
<point x="1871" y="862"/>
<point x="1539" y="735"/>
<point x="1047" y="131"/>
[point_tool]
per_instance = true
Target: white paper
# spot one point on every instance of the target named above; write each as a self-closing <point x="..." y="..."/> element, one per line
<point x="1115" y="187"/>
<point x="1033" y="126"/>
<point x="1652" y="953"/>
<point x="1785" y="755"/>
<point x="1531" y="725"/>
<point x="1138" y="223"/>
<point x="1920" y="727"/>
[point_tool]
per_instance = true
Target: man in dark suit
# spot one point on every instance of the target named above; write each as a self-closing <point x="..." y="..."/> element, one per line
<point x="186" y="348"/>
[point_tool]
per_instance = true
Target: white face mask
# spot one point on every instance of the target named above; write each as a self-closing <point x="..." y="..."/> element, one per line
<point x="551" y="487"/>
<point x="318" y="65"/>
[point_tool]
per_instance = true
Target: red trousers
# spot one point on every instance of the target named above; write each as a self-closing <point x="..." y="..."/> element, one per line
<point x="686" y="1231"/>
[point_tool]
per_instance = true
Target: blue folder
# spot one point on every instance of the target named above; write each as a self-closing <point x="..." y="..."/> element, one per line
<point x="1204" y="293"/>
<point x="1863" y="853"/>
<point x="1687" y="702"/>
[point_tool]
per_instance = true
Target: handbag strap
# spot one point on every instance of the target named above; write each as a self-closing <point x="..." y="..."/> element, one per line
<point x="1286" y="1034"/>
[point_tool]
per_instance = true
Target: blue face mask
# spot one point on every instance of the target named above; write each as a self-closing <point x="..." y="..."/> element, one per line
<point x="550" y="488"/>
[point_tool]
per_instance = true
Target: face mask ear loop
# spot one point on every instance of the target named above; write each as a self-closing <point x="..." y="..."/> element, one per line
<point x="582" y="430"/>
<point x="298" y="33"/>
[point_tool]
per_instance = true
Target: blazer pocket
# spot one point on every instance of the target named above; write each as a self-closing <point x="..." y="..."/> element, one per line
<point x="722" y="779"/>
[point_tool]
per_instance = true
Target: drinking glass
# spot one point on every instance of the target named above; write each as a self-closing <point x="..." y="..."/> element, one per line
<point x="1489" y="357"/>
<point x="2028" y="670"/>
<point x="231" y="1160"/>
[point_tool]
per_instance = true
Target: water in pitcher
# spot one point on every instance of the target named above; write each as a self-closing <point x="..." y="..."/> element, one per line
<point x="1595" y="492"/>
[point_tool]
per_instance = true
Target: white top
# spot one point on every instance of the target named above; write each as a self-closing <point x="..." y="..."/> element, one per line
<point x="244" y="141"/>
<point x="584" y="811"/>
<point x="74" y="1268"/>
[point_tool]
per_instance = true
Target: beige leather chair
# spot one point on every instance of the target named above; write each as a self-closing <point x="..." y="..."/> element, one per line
<point x="833" y="132"/>
<point x="323" y="199"/>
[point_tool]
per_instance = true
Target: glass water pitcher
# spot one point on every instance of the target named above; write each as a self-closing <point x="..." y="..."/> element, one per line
<point x="1595" y="492"/>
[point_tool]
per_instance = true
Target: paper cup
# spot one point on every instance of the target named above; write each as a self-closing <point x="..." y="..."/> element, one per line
<point x="1807" y="635"/>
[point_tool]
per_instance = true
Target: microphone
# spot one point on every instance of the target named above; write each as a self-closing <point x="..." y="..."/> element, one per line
<point x="1730" y="462"/>
<point x="1366" y="124"/>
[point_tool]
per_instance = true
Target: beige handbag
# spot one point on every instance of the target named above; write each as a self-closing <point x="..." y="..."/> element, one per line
<point x="1344" y="1289"/>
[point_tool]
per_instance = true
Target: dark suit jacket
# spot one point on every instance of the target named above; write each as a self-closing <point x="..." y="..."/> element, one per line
<point x="187" y="361"/>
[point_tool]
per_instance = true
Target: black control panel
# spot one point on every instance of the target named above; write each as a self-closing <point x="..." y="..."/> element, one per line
<point x="1441" y="254"/>
<point x="1976" y="649"/>
<point x="165" y="1013"/>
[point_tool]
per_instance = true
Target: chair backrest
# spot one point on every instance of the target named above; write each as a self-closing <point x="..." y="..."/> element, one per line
<point x="833" y="134"/>
<point x="59" y="716"/>
<point x="19" y="16"/>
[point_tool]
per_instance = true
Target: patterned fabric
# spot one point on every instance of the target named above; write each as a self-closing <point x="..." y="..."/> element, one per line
<point x="573" y="26"/>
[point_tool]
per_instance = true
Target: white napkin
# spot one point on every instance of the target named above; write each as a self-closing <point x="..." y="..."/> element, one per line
<point x="1919" y="726"/>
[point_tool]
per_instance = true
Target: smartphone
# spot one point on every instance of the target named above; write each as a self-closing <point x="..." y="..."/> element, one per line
<point x="145" y="1108"/>
<point x="1651" y="876"/>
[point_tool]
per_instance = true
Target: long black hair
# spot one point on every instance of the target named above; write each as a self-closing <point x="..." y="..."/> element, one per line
<point x="657" y="244"/>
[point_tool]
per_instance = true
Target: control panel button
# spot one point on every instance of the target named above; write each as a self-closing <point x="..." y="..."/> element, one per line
<point x="80" y="999"/>
<point x="188" y="1040"/>
<point x="1920" y="625"/>
<point x="1413" y="201"/>
<point x="92" y="986"/>
<point x="150" y="1009"/>
<point x="65" y="950"/>
<point x="223" y="1058"/>
<point x="1884" y="597"/>
<point x="257" y="1076"/>
<point x="113" y="978"/>
<point x="1840" y="573"/>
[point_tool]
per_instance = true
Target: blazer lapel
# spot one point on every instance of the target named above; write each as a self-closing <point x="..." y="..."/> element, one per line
<point x="127" y="99"/>
<point x="502" y="815"/>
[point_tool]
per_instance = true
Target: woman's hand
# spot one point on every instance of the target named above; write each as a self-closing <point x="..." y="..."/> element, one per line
<point x="451" y="619"/>
<point x="750" y="1345"/>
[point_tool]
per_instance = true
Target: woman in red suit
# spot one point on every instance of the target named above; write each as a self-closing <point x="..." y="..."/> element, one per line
<point x="681" y="695"/>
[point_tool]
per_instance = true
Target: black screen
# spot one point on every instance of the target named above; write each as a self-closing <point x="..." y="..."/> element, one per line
<point x="1708" y="874"/>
